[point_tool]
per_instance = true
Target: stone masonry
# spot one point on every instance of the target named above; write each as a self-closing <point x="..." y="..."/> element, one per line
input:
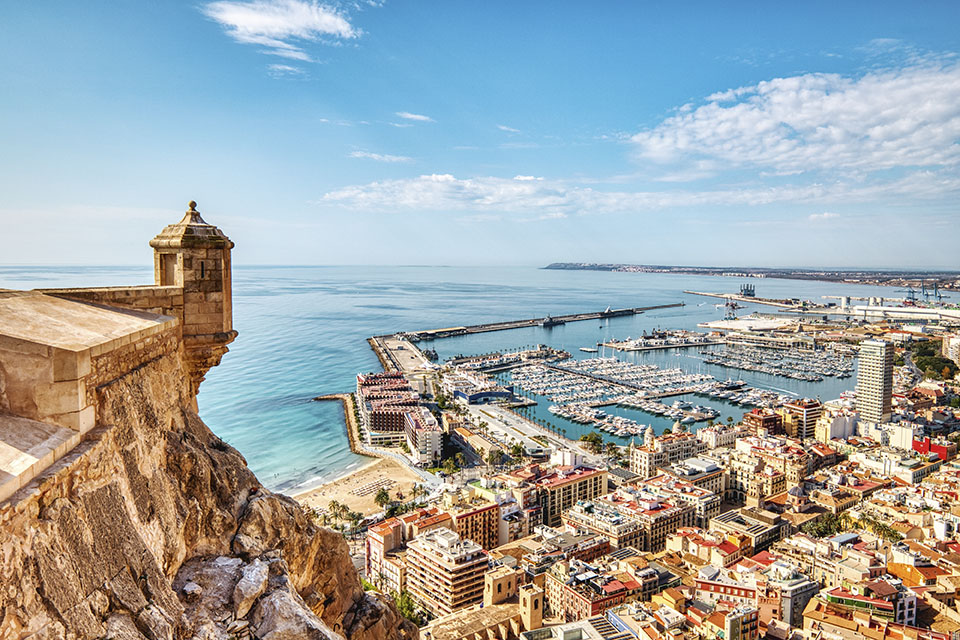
<point x="121" y="514"/>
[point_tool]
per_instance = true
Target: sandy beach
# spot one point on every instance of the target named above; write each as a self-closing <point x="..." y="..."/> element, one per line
<point x="358" y="489"/>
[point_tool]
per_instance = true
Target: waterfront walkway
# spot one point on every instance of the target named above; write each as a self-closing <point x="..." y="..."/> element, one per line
<point x="360" y="448"/>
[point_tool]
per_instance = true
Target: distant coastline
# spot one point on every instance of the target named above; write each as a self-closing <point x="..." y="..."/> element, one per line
<point x="877" y="277"/>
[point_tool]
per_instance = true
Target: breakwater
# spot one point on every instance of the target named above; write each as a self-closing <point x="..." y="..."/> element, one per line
<point x="532" y="322"/>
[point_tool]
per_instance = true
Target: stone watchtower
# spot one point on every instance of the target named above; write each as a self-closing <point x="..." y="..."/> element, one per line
<point x="195" y="257"/>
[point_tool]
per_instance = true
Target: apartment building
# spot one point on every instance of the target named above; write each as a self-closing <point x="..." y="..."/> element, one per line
<point x="763" y="421"/>
<point x="385" y="545"/>
<point x="664" y="450"/>
<point x="875" y="381"/>
<point x="383" y="400"/>
<point x="559" y="488"/>
<point x="800" y="417"/>
<point x="762" y="528"/>
<point x="423" y="436"/>
<point x="445" y="572"/>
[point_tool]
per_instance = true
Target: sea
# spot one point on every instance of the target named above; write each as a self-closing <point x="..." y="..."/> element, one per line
<point x="303" y="331"/>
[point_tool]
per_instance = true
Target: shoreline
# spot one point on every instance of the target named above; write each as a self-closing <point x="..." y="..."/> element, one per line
<point x="350" y="423"/>
<point x="357" y="489"/>
<point x="338" y="477"/>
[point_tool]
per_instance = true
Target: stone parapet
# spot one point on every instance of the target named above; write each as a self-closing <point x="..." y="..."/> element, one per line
<point x="167" y="301"/>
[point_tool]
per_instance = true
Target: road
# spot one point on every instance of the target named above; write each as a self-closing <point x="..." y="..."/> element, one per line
<point x="506" y="427"/>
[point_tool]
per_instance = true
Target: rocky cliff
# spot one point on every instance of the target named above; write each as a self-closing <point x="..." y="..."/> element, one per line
<point x="153" y="528"/>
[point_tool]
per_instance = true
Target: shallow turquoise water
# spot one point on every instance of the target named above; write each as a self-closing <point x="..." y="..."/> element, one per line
<point x="303" y="330"/>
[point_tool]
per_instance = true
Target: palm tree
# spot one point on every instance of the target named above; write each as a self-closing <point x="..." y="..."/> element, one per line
<point x="354" y="519"/>
<point x="460" y="459"/>
<point x="382" y="498"/>
<point x="336" y="510"/>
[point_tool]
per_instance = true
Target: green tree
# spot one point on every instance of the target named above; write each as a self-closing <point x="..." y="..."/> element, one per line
<point x="354" y="519"/>
<point x="449" y="466"/>
<point x="493" y="457"/>
<point x="407" y="608"/>
<point x="382" y="498"/>
<point x="336" y="510"/>
<point x="460" y="459"/>
<point x="516" y="451"/>
<point x="593" y="441"/>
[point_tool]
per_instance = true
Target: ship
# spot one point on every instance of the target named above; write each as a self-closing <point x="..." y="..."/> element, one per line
<point x="609" y="312"/>
<point x="551" y="322"/>
<point x="589" y="349"/>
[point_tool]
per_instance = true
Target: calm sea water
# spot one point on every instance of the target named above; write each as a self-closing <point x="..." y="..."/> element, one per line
<point x="303" y="333"/>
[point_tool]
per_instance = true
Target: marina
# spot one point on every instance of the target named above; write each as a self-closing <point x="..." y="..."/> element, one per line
<point x="797" y="364"/>
<point x="578" y="389"/>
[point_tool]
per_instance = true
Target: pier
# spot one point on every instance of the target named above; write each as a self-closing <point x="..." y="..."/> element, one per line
<point x="533" y="322"/>
<point x="747" y="299"/>
<point x="398" y="351"/>
<point x="664" y="340"/>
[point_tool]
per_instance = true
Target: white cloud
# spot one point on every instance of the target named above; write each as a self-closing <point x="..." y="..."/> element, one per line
<point x="526" y="178"/>
<point x="284" y="70"/>
<point x="380" y="157"/>
<point x="888" y="119"/>
<point x="281" y="26"/>
<point x="444" y="192"/>
<point x="406" y="115"/>
<point x="819" y="217"/>
<point x="504" y="127"/>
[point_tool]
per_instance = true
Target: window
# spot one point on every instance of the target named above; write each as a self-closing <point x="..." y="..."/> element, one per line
<point x="536" y="604"/>
<point x="499" y="587"/>
<point x="168" y="266"/>
<point x="203" y="269"/>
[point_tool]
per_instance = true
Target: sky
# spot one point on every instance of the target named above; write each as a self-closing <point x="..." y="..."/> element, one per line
<point x="484" y="133"/>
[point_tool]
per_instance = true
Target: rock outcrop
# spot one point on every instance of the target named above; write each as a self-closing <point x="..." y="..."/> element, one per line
<point x="154" y="528"/>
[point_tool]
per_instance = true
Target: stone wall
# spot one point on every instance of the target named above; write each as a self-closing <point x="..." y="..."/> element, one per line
<point x="106" y="366"/>
<point x="147" y="529"/>
<point x="167" y="301"/>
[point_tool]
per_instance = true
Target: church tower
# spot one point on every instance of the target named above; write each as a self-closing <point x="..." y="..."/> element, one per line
<point x="195" y="256"/>
<point x="531" y="607"/>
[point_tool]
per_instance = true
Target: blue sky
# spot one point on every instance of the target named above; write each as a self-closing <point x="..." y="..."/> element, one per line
<point x="815" y="133"/>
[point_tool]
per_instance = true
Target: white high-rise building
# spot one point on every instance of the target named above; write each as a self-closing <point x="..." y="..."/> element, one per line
<point x="875" y="381"/>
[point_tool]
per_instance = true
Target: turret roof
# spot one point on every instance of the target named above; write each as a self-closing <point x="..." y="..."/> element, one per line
<point x="191" y="231"/>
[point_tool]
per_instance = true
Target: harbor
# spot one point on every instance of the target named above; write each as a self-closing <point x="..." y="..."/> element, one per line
<point x="619" y="396"/>
<point x="797" y="364"/>
<point x="578" y="389"/>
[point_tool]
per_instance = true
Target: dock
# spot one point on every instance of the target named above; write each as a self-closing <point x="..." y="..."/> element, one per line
<point x="748" y="299"/>
<point x="625" y="346"/>
<point x="532" y="322"/>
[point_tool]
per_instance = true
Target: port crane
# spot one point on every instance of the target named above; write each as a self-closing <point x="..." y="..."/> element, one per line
<point x="935" y="292"/>
<point x="911" y="295"/>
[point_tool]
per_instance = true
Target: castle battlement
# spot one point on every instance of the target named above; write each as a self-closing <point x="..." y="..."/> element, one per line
<point x="59" y="346"/>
